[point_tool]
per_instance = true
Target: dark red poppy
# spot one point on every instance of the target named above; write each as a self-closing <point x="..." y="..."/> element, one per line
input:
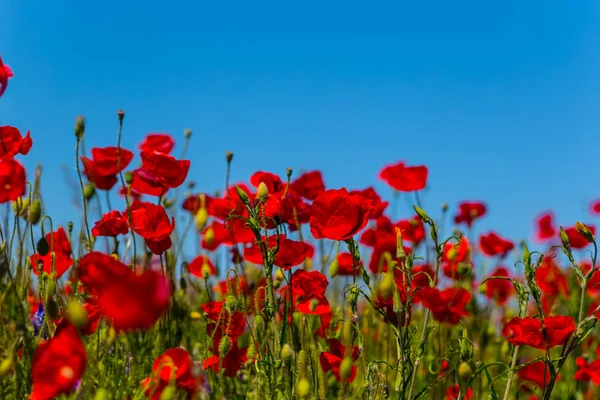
<point x="159" y="173"/>
<point x="493" y="245"/>
<point x="455" y="255"/>
<point x="469" y="211"/>
<point x="374" y="200"/>
<point x="331" y="361"/>
<point x="446" y="305"/>
<point x="289" y="254"/>
<point x="337" y="215"/>
<point x="309" y="185"/>
<point x="176" y="365"/>
<point x="412" y="229"/>
<point x="499" y="290"/>
<point x="273" y="182"/>
<point x="545" y="228"/>
<point x="113" y="224"/>
<point x="200" y="264"/>
<point x="528" y="331"/>
<point x="5" y="74"/>
<point x="587" y="371"/>
<point x="130" y="300"/>
<point x="345" y="262"/>
<point x="12" y="180"/>
<point x="151" y="222"/>
<point x="12" y="143"/>
<point x="58" y="242"/>
<point x="453" y="393"/>
<point x="308" y="288"/>
<point x="576" y="239"/>
<point x="536" y="372"/>
<point x="58" y="363"/>
<point x="160" y="142"/>
<point x="404" y="178"/>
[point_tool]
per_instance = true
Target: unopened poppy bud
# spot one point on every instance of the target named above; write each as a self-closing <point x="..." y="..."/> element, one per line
<point x="187" y="133"/>
<point x="302" y="363"/>
<point x="334" y="268"/>
<point x="287" y="354"/>
<point x="585" y="232"/>
<point x="50" y="289"/>
<point x="231" y="302"/>
<point x="19" y="206"/>
<point x="7" y="365"/>
<point x="303" y="388"/>
<point x="209" y="236"/>
<point x="52" y="309"/>
<point x="70" y="226"/>
<point x="121" y="115"/>
<point x="397" y="305"/>
<point x="79" y="127"/>
<point x="128" y="177"/>
<point x="251" y="351"/>
<point x="111" y="337"/>
<point x="224" y="346"/>
<point x="89" y="191"/>
<point x="205" y="270"/>
<point x="168" y="203"/>
<point x="35" y="212"/>
<point x="242" y="195"/>
<point x="101" y="394"/>
<point x="168" y="393"/>
<point x="288" y="172"/>
<point x="346" y="369"/>
<point x="564" y="238"/>
<point x="76" y="313"/>
<point x="400" y="255"/>
<point x="387" y="285"/>
<point x="201" y="219"/>
<point x="228" y="156"/>
<point x="423" y="215"/>
<point x="465" y="372"/>
<point x="259" y="323"/>
<point x="262" y="192"/>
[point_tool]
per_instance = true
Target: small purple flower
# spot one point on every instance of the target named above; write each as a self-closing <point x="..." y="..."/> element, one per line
<point x="38" y="319"/>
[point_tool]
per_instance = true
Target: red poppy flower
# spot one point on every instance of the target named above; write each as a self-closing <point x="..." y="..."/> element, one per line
<point x="545" y="229"/>
<point x="453" y="393"/>
<point x="492" y="245"/>
<point x="273" y="182"/>
<point x="308" y="185"/>
<point x="536" y="372"/>
<point x="199" y="264"/>
<point x="151" y="222"/>
<point x="412" y="229"/>
<point x="550" y="278"/>
<point x="129" y="300"/>
<point x="528" y="331"/>
<point x="289" y="254"/>
<point x="295" y="211"/>
<point x="382" y="232"/>
<point x="5" y="74"/>
<point x="113" y="224"/>
<point x="58" y="363"/>
<point x="337" y="215"/>
<point x="94" y="317"/>
<point x="176" y="365"/>
<point x="225" y="322"/>
<point x="374" y="200"/>
<point x="404" y="178"/>
<point x="12" y="180"/>
<point x="160" y="142"/>
<point x="331" y="361"/>
<point x="59" y="243"/>
<point x="308" y="289"/>
<point x="499" y="290"/>
<point x="588" y="371"/>
<point x="576" y="239"/>
<point x="231" y="363"/>
<point x="422" y="277"/>
<point x="455" y="255"/>
<point x="468" y="212"/>
<point x="103" y="167"/>
<point x="446" y="305"/>
<point x="12" y="143"/>
<point x="159" y="173"/>
<point x="345" y="262"/>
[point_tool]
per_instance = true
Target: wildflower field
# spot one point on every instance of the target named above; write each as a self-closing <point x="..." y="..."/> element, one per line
<point x="295" y="290"/>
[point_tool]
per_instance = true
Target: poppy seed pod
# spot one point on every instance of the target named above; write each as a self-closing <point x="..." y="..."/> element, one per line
<point x="228" y="156"/>
<point x="79" y="127"/>
<point x="262" y="192"/>
<point x="209" y="236"/>
<point x="187" y="133"/>
<point x="121" y="115"/>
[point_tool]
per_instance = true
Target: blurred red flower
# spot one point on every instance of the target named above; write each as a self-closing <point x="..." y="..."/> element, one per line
<point x="331" y="361"/>
<point x="403" y="178"/>
<point x="412" y="229"/>
<point x="576" y="239"/>
<point x="469" y="211"/>
<point x="545" y="229"/>
<point x="528" y="331"/>
<point x="176" y="365"/>
<point x="198" y="264"/>
<point x="446" y="305"/>
<point x="289" y="254"/>
<point x="58" y="242"/>
<point x="5" y="74"/>
<point x="12" y="143"/>
<point x="309" y="185"/>
<point x="160" y="142"/>
<point x="492" y="245"/>
<point x="113" y="223"/>
<point x="12" y="180"/>
<point x="453" y="393"/>
<point x="374" y="200"/>
<point x="499" y="290"/>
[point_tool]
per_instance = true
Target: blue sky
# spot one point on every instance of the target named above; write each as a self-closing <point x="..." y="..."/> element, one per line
<point x="499" y="99"/>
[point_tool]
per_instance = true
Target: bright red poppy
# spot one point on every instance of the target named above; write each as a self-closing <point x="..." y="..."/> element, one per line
<point x="412" y="229"/>
<point x="58" y="242"/>
<point x="290" y="252"/>
<point x="12" y="143"/>
<point x="151" y="222"/>
<point x="58" y="363"/>
<point x="403" y="178"/>
<point x="5" y="74"/>
<point x="493" y="245"/>
<point x="469" y="211"/>
<point x="12" y="180"/>
<point x="499" y="290"/>
<point x="273" y="182"/>
<point x="113" y="224"/>
<point x="528" y="331"/>
<point x="446" y="305"/>
<point x="176" y="365"/>
<point x="103" y="167"/>
<point x="453" y="393"/>
<point x="536" y="372"/>
<point x="544" y="227"/>
<point x="200" y="264"/>
<point x="309" y="185"/>
<point x="160" y="142"/>
<point x="331" y="360"/>
<point x="345" y="262"/>
<point x="587" y="371"/>
<point x="455" y="255"/>
<point x="576" y="239"/>
<point x="377" y="205"/>
<point x="159" y="173"/>
<point x="337" y="215"/>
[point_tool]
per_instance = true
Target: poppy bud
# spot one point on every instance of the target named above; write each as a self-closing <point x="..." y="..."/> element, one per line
<point x="231" y="302"/>
<point x="52" y="309"/>
<point x="111" y="337"/>
<point x="79" y="127"/>
<point x="262" y="192"/>
<point x="76" y="313"/>
<point x="302" y="363"/>
<point x="187" y="133"/>
<point x="20" y="206"/>
<point x="7" y="365"/>
<point x="585" y="232"/>
<point x="464" y="371"/>
<point x="564" y="238"/>
<point x="89" y="191"/>
<point x="168" y="203"/>
<point x="346" y="369"/>
<point x="169" y="393"/>
<point x="287" y="354"/>
<point x="209" y="236"/>
<point x="400" y="255"/>
<point x="386" y="287"/>
<point x="228" y="156"/>
<point x="201" y="219"/>
<point x="101" y="394"/>
<point x="444" y="207"/>
<point x="303" y="388"/>
<point x="251" y="351"/>
<point x="259" y="323"/>
<point x="35" y="212"/>
<point x="128" y="177"/>
<point x="224" y="346"/>
<point x="70" y="226"/>
<point x="397" y="306"/>
<point x="50" y="289"/>
<point x="333" y="268"/>
<point x="242" y="195"/>
<point x="423" y="215"/>
<point x="121" y="115"/>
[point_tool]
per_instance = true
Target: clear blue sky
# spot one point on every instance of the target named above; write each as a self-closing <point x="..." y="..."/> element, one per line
<point x="499" y="99"/>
